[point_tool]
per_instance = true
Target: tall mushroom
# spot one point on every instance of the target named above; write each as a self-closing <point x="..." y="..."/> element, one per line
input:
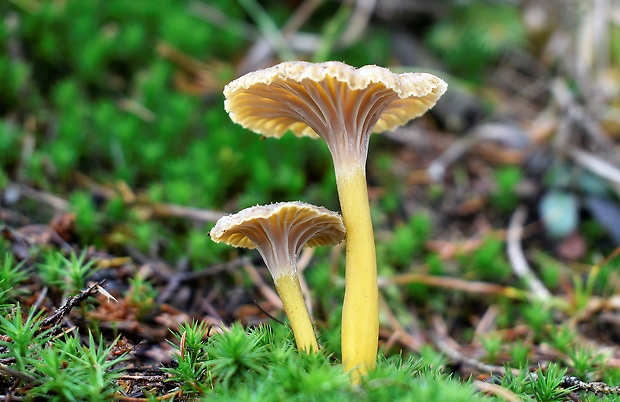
<point x="343" y="105"/>
<point x="279" y="231"/>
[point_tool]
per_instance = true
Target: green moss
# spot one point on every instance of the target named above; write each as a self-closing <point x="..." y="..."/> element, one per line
<point x="376" y="48"/>
<point x="15" y="75"/>
<point x="9" y="144"/>
<point x="203" y="251"/>
<point x="475" y="34"/>
<point x="406" y="242"/>
<point x="505" y="196"/>
<point x="488" y="262"/>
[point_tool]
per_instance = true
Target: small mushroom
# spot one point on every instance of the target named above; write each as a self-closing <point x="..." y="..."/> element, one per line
<point x="343" y="105"/>
<point x="279" y="231"/>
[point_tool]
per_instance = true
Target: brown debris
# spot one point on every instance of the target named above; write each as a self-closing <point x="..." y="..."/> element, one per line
<point x="65" y="309"/>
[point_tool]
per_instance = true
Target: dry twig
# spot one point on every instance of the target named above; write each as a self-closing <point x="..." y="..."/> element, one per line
<point x="453" y="283"/>
<point x="57" y="203"/>
<point x="517" y="259"/>
<point x="18" y="374"/>
<point x="267" y="291"/>
<point x="65" y="309"/>
<point x="577" y="115"/>
<point x="595" y="165"/>
<point x="177" y="278"/>
<point x="180" y="211"/>
<point x="412" y="341"/>
<point x="497" y="390"/>
<point x="450" y="348"/>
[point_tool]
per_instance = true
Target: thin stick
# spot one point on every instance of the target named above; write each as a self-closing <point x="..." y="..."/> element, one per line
<point x="414" y="343"/>
<point x="577" y="115"/>
<point x="358" y="22"/>
<point x="41" y="296"/>
<point x="517" y="259"/>
<point x="54" y="201"/>
<point x="18" y="374"/>
<point x="177" y="278"/>
<point x="11" y="398"/>
<point x="595" y="165"/>
<point x="453" y="283"/>
<point x="497" y="390"/>
<point x="148" y="378"/>
<point x="438" y="167"/>
<point x="71" y="302"/>
<point x="449" y="347"/>
<point x="269" y="29"/>
<point x="180" y="211"/>
<point x="222" y="20"/>
<point x="267" y="291"/>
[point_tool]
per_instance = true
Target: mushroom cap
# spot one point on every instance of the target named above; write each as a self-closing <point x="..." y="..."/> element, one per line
<point x="279" y="231"/>
<point x="264" y="100"/>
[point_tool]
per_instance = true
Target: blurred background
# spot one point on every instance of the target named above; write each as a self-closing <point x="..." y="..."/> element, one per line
<point x="116" y="108"/>
<point x="114" y="140"/>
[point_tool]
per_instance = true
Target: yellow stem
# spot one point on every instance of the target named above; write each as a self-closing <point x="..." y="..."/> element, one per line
<point x="360" y="315"/>
<point x="290" y="292"/>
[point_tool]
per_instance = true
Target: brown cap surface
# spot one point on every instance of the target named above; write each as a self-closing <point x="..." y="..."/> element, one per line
<point x="329" y="99"/>
<point x="279" y="231"/>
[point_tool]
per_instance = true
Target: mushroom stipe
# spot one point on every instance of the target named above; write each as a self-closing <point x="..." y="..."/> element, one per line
<point x="289" y="290"/>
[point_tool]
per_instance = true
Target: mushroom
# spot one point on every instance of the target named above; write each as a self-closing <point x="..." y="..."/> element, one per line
<point x="279" y="231"/>
<point x="343" y="105"/>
